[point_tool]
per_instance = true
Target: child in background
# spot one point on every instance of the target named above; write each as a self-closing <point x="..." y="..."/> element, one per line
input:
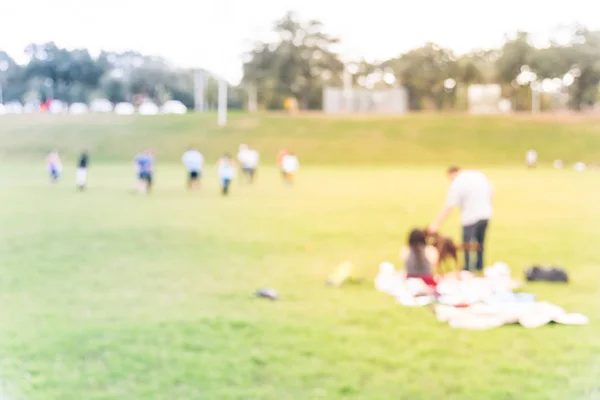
<point x="280" y="156"/>
<point x="290" y="166"/>
<point x="54" y="166"/>
<point x="226" y="171"/>
<point x="144" y="166"/>
<point x="531" y="158"/>
<point x="420" y="260"/>
<point x="248" y="160"/>
<point x="253" y="161"/>
<point x="81" y="174"/>
<point x="193" y="161"/>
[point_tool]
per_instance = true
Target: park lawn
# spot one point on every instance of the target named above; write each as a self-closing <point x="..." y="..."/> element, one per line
<point x="107" y="295"/>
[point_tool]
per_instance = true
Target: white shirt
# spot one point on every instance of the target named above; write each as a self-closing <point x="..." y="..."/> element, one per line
<point x="253" y="158"/>
<point x="226" y="170"/>
<point x="248" y="158"/>
<point x="193" y="160"/>
<point x="471" y="191"/>
<point x="531" y="157"/>
<point x="290" y="163"/>
<point x="53" y="162"/>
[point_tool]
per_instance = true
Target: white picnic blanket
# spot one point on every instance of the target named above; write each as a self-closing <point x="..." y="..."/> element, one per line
<point x="470" y="302"/>
<point x="485" y="316"/>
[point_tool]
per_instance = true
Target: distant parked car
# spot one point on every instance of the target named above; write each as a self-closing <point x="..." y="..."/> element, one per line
<point x="148" y="108"/>
<point x="124" y="109"/>
<point x="58" y="107"/>
<point x="13" y="107"/>
<point x="78" y="109"/>
<point x="101" y="106"/>
<point x="173" y="107"/>
<point x="31" y="107"/>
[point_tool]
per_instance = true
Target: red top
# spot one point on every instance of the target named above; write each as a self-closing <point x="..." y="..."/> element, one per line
<point x="280" y="156"/>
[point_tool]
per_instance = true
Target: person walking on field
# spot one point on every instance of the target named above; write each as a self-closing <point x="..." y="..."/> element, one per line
<point x="472" y="192"/>
<point x="81" y="174"/>
<point x="144" y="163"/>
<point x="280" y="156"/>
<point x="531" y="158"/>
<point x="248" y="160"/>
<point x="226" y="171"/>
<point x="290" y="166"/>
<point x="193" y="161"/>
<point x="54" y="165"/>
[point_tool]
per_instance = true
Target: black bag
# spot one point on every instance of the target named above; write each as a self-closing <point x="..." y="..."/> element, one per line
<point x="546" y="274"/>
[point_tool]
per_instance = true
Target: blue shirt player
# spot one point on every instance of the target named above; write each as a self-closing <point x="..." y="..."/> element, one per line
<point x="144" y="163"/>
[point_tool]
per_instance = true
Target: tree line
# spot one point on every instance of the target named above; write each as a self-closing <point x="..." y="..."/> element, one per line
<point x="304" y="58"/>
<point x="76" y="76"/>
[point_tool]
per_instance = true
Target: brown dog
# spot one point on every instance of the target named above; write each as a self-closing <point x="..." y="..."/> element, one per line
<point x="447" y="249"/>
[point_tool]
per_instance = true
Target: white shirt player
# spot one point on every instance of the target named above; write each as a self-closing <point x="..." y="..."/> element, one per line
<point x="193" y="160"/>
<point x="531" y="158"/>
<point x="248" y="158"/>
<point x="290" y="164"/>
<point x="252" y="159"/>
<point x="225" y="169"/>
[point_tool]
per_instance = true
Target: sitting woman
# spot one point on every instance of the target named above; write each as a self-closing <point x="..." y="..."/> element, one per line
<point x="420" y="259"/>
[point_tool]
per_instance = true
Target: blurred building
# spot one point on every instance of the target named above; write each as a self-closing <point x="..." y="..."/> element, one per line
<point x="361" y="100"/>
<point x="487" y="99"/>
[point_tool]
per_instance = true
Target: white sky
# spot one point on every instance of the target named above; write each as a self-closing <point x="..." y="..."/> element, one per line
<point x="214" y="34"/>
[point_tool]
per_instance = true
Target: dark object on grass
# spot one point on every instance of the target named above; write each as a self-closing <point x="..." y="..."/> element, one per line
<point x="546" y="274"/>
<point x="267" y="293"/>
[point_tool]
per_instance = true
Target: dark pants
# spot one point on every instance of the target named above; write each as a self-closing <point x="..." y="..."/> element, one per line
<point x="475" y="234"/>
<point x="225" y="182"/>
<point x="250" y="173"/>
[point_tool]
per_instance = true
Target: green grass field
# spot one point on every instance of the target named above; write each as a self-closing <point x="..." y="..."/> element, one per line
<point x="108" y="295"/>
<point x="416" y="140"/>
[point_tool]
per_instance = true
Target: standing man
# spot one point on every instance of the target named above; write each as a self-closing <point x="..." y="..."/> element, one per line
<point x="144" y="164"/>
<point x="193" y="161"/>
<point x="81" y="174"/>
<point x="472" y="192"/>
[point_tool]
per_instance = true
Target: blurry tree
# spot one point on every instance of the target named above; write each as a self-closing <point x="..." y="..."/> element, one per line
<point x="584" y="55"/>
<point x="73" y="75"/>
<point x="551" y="62"/>
<point x="113" y="88"/>
<point x="302" y="60"/>
<point x="515" y="55"/>
<point x="478" y="67"/>
<point x="11" y="79"/>
<point x="298" y="64"/>
<point x="425" y="72"/>
<point x="373" y="76"/>
<point x="68" y="75"/>
<point x="576" y="62"/>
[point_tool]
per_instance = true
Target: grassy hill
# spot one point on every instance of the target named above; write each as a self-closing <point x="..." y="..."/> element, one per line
<point x="411" y="140"/>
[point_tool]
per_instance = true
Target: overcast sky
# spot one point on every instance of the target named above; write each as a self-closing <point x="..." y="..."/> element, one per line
<point x="214" y="34"/>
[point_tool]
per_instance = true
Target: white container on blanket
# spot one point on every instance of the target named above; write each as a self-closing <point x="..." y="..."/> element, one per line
<point x="498" y="270"/>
